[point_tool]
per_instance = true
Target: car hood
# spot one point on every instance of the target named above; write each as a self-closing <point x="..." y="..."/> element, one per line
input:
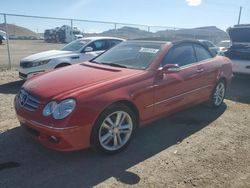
<point x="239" y="34"/>
<point x="51" y="54"/>
<point x="77" y="79"/>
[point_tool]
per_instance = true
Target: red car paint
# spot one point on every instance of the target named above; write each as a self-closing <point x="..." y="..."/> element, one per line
<point x="151" y="92"/>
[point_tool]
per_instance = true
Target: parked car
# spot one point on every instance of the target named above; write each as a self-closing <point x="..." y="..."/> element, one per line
<point x="74" y="52"/>
<point x="239" y="52"/>
<point x="2" y="36"/>
<point x="1" y="39"/>
<point x="211" y="46"/>
<point x="100" y="103"/>
<point x="224" y="45"/>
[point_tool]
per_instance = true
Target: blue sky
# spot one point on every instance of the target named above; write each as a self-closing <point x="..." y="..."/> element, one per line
<point x="172" y="13"/>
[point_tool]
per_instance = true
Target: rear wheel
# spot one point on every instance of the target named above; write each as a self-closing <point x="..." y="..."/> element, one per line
<point x="218" y="94"/>
<point x="113" y="129"/>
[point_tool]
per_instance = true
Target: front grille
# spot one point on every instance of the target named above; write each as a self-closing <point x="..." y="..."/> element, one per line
<point x="26" y="64"/>
<point x="27" y="101"/>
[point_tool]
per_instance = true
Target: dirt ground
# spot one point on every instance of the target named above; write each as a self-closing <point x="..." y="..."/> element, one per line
<point x="22" y="48"/>
<point x="199" y="147"/>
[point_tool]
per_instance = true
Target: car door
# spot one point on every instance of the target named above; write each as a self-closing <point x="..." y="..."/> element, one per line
<point x="209" y="69"/>
<point x="175" y="90"/>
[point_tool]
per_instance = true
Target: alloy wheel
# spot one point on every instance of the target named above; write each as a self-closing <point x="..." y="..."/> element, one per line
<point x="115" y="131"/>
<point x="219" y="93"/>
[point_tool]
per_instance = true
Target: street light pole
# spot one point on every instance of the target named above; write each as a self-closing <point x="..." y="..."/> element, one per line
<point x="239" y="15"/>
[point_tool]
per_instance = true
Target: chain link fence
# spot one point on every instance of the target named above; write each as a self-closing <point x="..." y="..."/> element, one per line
<point x="25" y="35"/>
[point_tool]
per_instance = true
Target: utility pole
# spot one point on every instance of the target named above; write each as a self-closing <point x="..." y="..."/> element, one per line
<point x="239" y="15"/>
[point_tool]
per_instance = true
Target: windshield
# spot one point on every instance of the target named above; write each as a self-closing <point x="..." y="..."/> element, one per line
<point x="75" y="45"/>
<point x="135" y="55"/>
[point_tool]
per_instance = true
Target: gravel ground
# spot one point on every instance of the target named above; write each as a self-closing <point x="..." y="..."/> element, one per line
<point x="198" y="147"/>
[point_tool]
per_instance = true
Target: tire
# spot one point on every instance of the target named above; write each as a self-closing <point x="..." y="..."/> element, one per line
<point x="218" y="95"/>
<point x="111" y="135"/>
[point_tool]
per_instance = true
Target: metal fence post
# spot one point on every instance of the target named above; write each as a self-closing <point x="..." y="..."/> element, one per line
<point x="7" y="39"/>
<point x="71" y="23"/>
<point x="148" y="28"/>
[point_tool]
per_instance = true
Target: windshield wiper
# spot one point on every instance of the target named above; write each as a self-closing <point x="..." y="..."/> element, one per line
<point x="114" y="65"/>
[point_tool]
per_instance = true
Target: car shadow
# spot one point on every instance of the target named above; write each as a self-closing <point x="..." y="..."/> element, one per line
<point x="11" y="87"/>
<point x="239" y="90"/>
<point x="25" y="163"/>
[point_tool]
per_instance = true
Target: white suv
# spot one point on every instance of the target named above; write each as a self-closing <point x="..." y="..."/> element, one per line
<point x="75" y="52"/>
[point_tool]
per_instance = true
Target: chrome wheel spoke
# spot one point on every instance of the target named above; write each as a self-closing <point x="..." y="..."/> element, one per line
<point x="125" y="131"/>
<point x="217" y="100"/>
<point x="122" y="127"/>
<point x="106" y="126"/>
<point x="108" y="140"/>
<point x="120" y="118"/>
<point x="115" y="140"/>
<point x="110" y="121"/>
<point x="119" y="138"/>
<point x="106" y="136"/>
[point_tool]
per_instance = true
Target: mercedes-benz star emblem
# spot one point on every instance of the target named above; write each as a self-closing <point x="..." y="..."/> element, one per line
<point x="23" y="98"/>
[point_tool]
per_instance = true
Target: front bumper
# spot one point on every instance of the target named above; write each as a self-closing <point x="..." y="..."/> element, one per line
<point x="60" y="139"/>
<point x="241" y="66"/>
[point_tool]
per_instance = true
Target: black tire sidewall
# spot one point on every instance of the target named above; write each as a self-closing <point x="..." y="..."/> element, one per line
<point x="94" y="139"/>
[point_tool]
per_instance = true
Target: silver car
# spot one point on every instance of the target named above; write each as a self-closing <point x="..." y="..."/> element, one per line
<point x="75" y="52"/>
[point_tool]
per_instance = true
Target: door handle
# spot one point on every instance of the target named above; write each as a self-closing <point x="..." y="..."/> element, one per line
<point x="200" y="70"/>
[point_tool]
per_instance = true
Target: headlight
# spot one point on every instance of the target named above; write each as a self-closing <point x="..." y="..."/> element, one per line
<point x="34" y="64"/>
<point x="59" y="110"/>
<point x="49" y="108"/>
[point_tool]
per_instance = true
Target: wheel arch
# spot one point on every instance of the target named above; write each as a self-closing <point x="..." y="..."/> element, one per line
<point x="131" y="105"/>
<point x="223" y="78"/>
<point x="125" y="102"/>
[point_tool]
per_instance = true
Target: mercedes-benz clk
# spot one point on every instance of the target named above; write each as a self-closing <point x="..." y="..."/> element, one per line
<point x="100" y="103"/>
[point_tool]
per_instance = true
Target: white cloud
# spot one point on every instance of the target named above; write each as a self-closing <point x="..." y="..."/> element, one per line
<point x="194" y="2"/>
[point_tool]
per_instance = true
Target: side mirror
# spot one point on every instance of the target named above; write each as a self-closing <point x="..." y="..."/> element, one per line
<point x="88" y="49"/>
<point x="171" y="68"/>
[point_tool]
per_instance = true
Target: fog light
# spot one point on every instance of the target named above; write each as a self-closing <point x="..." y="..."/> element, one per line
<point x="54" y="139"/>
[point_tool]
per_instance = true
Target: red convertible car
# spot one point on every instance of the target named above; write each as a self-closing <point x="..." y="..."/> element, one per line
<point x="100" y="103"/>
